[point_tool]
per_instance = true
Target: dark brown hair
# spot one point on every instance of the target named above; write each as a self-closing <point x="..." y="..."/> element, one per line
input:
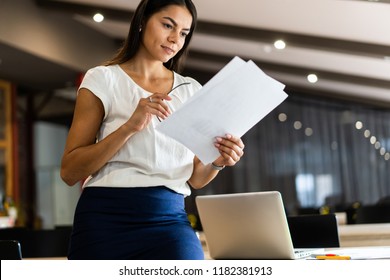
<point x="144" y="11"/>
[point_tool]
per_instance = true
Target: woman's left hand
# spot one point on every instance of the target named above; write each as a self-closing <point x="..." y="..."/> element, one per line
<point x="231" y="149"/>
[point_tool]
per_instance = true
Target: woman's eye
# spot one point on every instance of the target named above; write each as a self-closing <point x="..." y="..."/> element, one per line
<point x="183" y="34"/>
<point x="166" y="25"/>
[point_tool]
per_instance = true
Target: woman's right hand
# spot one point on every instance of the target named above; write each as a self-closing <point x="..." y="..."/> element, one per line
<point x="154" y="105"/>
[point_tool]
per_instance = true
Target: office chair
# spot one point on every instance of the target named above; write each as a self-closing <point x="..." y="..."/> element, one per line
<point x="351" y="210"/>
<point x="371" y="214"/>
<point x="10" y="250"/>
<point x="42" y="243"/>
<point x="384" y="200"/>
<point x="314" y="231"/>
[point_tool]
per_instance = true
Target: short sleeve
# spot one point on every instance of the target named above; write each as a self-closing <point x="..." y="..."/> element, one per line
<point x="195" y="84"/>
<point x="96" y="80"/>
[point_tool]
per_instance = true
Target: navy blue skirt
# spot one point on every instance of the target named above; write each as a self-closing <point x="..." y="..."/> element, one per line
<point x="132" y="223"/>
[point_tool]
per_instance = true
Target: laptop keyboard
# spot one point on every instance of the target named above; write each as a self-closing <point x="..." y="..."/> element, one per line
<point x="303" y="253"/>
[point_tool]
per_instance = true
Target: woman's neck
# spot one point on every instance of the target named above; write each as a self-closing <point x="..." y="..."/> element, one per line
<point x="151" y="75"/>
<point x="147" y="70"/>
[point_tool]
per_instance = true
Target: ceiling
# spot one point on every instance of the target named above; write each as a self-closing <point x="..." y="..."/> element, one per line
<point x="346" y="43"/>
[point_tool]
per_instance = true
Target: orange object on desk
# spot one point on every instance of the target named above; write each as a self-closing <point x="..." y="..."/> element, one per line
<point x="329" y="257"/>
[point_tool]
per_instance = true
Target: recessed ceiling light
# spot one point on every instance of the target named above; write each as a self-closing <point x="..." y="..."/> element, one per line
<point x="280" y="44"/>
<point x="308" y="131"/>
<point x="297" y="125"/>
<point x="312" y="78"/>
<point x="359" y="125"/>
<point x="98" y="17"/>
<point x="282" y="117"/>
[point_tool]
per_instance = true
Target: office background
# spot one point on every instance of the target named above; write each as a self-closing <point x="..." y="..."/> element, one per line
<point x="327" y="144"/>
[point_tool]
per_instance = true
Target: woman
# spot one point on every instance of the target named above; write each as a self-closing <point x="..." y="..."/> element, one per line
<point x="132" y="206"/>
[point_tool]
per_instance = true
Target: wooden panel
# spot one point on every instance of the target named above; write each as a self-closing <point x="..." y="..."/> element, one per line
<point x="6" y="145"/>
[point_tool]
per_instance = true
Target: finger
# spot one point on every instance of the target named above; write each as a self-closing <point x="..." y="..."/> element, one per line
<point x="158" y="107"/>
<point x="231" y="143"/>
<point x="160" y="96"/>
<point x="230" y="154"/>
<point x="158" y="110"/>
<point x="228" y="159"/>
<point x="160" y="99"/>
<point x="236" y="140"/>
<point x="161" y="107"/>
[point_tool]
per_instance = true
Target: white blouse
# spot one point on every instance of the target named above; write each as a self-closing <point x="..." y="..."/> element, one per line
<point x="149" y="158"/>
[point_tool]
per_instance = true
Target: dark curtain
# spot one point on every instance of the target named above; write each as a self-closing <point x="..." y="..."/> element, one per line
<point x="316" y="152"/>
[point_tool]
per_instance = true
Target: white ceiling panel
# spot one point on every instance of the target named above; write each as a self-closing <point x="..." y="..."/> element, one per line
<point x="346" y="42"/>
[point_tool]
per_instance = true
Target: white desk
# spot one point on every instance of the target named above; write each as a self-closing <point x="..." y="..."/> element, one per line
<point x="363" y="253"/>
<point x="361" y="237"/>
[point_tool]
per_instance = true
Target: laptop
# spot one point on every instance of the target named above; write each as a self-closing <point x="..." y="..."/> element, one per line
<point x="10" y="250"/>
<point x="248" y="226"/>
<point x="323" y="231"/>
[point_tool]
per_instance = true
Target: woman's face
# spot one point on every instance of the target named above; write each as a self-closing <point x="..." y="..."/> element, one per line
<point x="165" y="32"/>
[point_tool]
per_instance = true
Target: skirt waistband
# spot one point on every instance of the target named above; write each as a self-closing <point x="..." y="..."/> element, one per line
<point x="135" y="200"/>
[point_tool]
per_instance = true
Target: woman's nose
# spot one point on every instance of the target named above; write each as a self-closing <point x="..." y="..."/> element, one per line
<point x="173" y="37"/>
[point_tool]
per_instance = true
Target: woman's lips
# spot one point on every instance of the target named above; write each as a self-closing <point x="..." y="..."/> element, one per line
<point x="169" y="51"/>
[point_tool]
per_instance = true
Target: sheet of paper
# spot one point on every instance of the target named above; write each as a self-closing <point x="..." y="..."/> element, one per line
<point x="233" y="101"/>
<point x="363" y="253"/>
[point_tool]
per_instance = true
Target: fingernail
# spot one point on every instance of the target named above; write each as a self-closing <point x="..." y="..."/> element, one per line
<point x="219" y="139"/>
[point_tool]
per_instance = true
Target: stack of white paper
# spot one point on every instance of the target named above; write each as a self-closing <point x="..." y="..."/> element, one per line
<point x="232" y="102"/>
